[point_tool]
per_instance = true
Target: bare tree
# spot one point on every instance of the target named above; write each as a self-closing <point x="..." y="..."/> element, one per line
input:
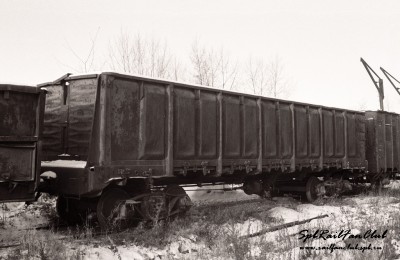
<point x="159" y="58"/>
<point x="176" y="70"/>
<point x="145" y="56"/>
<point x="213" y="68"/>
<point x="257" y="75"/>
<point x="121" y="53"/>
<point x="228" y="71"/>
<point x="277" y="80"/>
<point x="268" y="79"/>
<point x="87" y="61"/>
<point x="205" y="65"/>
<point x="150" y="57"/>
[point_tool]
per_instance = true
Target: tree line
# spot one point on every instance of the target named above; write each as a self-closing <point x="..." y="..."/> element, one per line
<point x="208" y="66"/>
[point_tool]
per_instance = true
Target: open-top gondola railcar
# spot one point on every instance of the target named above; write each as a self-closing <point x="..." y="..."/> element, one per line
<point x="123" y="146"/>
<point x="21" y="118"/>
<point x="121" y="143"/>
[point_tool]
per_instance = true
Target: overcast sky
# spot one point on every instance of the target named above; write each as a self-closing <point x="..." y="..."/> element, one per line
<point x="319" y="42"/>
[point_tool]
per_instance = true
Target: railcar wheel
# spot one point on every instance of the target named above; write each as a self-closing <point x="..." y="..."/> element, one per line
<point x="154" y="207"/>
<point x="68" y="210"/>
<point x="315" y="189"/>
<point x="177" y="200"/>
<point x="113" y="212"/>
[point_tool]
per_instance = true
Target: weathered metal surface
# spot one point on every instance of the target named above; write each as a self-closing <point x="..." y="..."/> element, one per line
<point x="81" y="101"/>
<point x="396" y="142"/>
<point x="185" y="115"/>
<point x="137" y="121"/>
<point x="314" y="132"/>
<point x="17" y="161"/>
<point x="383" y="141"/>
<point x="21" y="115"/>
<point x="18" y="113"/>
<point x="293" y="135"/>
<point x="336" y="133"/>
<point x="270" y="129"/>
<point x="125" y="116"/>
<point x="68" y="118"/>
<point x="55" y="120"/>
<point x="127" y="127"/>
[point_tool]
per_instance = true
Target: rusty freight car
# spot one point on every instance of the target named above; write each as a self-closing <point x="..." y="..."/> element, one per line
<point x="21" y="117"/>
<point x="383" y="142"/>
<point x="121" y="143"/>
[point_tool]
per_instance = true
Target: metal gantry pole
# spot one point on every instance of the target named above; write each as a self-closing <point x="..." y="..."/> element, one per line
<point x="378" y="83"/>
<point x="391" y="79"/>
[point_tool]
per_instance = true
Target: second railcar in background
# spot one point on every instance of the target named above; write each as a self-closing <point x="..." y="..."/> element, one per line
<point x="21" y="120"/>
<point x="383" y="142"/>
<point x="111" y="137"/>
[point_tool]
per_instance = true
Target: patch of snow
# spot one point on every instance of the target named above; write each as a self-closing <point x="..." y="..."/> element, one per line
<point x="126" y="253"/>
<point x="100" y="253"/>
<point x="394" y="184"/>
<point x="199" y="194"/>
<point x="12" y="207"/>
<point x="285" y="214"/>
<point x="248" y="227"/>
<point x="310" y="210"/>
<point x="48" y="175"/>
<point x="64" y="163"/>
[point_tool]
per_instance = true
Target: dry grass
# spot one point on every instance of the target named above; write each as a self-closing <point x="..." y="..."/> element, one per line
<point x="216" y="233"/>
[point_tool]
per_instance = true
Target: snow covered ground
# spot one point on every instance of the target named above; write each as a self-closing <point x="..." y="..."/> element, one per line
<point x="219" y="232"/>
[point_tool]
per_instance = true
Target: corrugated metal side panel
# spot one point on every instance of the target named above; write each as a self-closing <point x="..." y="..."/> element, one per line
<point x="17" y="162"/>
<point x="232" y="137"/>
<point x="250" y="127"/>
<point x="352" y="137"/>
<point x="208" y="125"/>
<point x="301" y="128"/>
<point x="179" y="129"/>
<point x="286" y="131"/>
<point x="82" y="96"/>
<point x="124" y="119"/>
<point x="94" y="153"/>
<point x="396" y="140"/>
<point x="135" y="118"/>
<point x="376" y="141"/>
<point x="18" y="113"/>
<point x="355" y="139"/>
<point x="388" y="141"/>
<point x="54" y="119"/>
<point x="270" y="134"/>
<point x="371" y="149"/>
<point x="152" y="122"/>
<point x="195" y="124"/>
<point x="397" y="158"/>
<point x="315" y="133"/>
<point x="361" y="137"/>
<point x="380" y="141"/>
<point x="328" y="133"/>
<point x="185" y="107"/>
<point x="339" y="135"/>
